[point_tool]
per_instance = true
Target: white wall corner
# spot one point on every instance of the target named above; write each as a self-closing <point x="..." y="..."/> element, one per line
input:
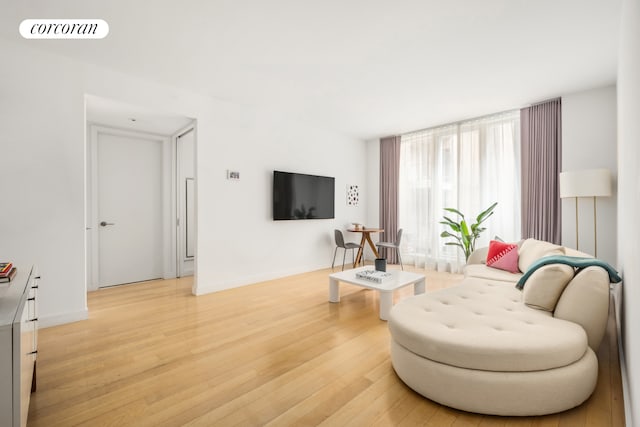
<point x="589" y="138"/>
<point x="628" y="111"/>
<point x="62" y="318"/>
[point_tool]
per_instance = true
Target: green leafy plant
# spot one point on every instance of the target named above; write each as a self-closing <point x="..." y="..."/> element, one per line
<point x="465" y="234"/>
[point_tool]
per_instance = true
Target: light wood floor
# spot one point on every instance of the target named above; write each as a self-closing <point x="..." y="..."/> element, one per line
<point x="275" y="353"/>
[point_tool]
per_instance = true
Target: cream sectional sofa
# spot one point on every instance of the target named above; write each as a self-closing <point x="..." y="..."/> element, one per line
<point x="484" y="346"/>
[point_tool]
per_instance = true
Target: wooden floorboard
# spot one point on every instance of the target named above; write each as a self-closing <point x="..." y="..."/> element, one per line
<point x="274" y="353"/>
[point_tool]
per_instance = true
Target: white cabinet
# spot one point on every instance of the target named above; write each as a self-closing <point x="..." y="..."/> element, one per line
<point x="18" y="346"/>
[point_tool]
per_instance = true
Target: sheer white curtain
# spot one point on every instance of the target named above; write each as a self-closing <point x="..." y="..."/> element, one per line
<point x="467" y="166"/>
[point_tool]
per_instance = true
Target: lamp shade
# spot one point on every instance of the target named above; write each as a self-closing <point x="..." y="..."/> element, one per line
<point x="585" y="183"/>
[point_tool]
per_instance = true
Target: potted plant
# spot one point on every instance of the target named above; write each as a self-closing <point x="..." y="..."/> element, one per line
<point x="465" y="235"/>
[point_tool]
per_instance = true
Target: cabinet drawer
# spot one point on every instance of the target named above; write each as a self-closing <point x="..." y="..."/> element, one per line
<point x="18" y="344"/>
<point x="32" y="305"/>
<point x="27" y="360"/>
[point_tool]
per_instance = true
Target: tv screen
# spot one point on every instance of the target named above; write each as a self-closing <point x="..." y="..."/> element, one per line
<point x="299" y="196"/>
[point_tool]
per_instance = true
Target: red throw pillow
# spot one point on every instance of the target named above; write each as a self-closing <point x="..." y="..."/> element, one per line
<point x="503" y="256"/>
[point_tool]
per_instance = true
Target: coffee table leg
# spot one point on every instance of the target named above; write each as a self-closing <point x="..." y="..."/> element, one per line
<point x="334" y="290"/>
<point x="418" y="287"/>
<point x="386" y="302"/>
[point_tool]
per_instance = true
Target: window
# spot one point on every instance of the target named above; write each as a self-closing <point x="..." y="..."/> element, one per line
<point x="467" y="166"/>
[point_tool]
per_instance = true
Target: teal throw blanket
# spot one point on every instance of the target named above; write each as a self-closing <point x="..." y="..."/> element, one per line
<point x="576" y="262"/>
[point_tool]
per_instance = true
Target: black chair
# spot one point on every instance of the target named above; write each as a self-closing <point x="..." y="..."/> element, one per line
<point x="393" y="245"/>
<point x="341" y="244"/>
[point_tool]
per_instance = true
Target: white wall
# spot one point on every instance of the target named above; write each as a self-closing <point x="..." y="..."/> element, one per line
<point x="238" y="232"/>
<point x="42" y="214"/>
<point x="42" y="219"/>
<point x="589" y="142"/>
<point x="629" y="199"/>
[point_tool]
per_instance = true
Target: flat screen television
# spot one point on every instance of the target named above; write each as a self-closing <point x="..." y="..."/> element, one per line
<point x="300" y="196"/>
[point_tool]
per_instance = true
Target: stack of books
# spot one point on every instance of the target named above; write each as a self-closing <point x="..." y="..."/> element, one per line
<point x="374" y="275"/>
<point x="7" y="271"/>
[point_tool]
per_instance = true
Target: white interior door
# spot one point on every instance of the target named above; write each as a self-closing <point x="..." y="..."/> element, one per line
<point x="130" y="209"/>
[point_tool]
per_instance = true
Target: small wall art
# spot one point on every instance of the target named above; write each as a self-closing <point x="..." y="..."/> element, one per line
<point x="353" y="195"/>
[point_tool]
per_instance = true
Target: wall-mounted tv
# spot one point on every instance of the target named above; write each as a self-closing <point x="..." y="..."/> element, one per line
<point x="299" y="196"/>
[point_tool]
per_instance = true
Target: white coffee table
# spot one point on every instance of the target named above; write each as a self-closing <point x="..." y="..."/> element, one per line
<point x="399" y="280"/>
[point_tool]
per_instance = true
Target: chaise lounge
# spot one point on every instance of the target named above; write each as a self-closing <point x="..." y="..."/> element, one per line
<point x="485" y="346"/>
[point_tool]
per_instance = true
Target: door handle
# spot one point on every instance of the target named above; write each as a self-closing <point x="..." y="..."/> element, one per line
<point x="105" y="223"/>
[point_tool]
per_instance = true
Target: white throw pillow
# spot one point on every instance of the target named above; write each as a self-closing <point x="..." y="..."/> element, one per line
<point x="544" y="287"/>
<point x="532" y="250"/>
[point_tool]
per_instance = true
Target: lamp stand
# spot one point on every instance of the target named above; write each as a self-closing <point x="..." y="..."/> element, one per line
<point x="585" y="183"/>
<point x="595" y="229"/>
<point x="577" y="246"/>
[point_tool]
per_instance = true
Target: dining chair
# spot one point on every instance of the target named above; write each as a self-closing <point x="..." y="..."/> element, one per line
<point x="341" y="244"/>
<point x="393" y="245"/>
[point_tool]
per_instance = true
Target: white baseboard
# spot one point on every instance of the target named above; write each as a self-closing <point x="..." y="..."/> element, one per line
<point x="626" y="397"/>
<point x="616" y="292"/>
<point x="205" y="285"/>
<point x="61" y="319"/>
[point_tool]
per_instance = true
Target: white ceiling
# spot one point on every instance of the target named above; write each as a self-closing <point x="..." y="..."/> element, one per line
<point x="367" y="68"/>
<point x="118" y="114"/>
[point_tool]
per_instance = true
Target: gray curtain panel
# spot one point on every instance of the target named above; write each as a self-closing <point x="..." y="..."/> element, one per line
<point x="389" y="181"/>
<point x="541" y="155"/>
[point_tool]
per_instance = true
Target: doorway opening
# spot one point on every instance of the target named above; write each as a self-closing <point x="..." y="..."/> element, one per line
<point x="185" y="192"/>
<point x="140" y="194"/>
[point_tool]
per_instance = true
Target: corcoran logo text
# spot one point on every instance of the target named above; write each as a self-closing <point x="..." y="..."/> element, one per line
<point x="64" y="29"/>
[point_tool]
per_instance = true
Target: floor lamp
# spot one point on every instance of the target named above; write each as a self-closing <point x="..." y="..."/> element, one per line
<point x="586" y="183"/>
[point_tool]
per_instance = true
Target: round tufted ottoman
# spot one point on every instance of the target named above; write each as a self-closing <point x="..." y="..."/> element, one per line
<point x="478" y="348"/>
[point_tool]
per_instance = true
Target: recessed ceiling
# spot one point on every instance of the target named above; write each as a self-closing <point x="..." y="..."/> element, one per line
<point x="124" y="116"/>
<point x="364" y="68"/>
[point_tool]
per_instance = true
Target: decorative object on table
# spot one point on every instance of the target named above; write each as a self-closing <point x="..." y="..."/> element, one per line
<point x="357" y="226"/>
<point x="465" y="235"/>
<point x="7" y="272"/>
<point x="586" y="183"/>
<point x="5" y="267"/>
<point x="393" y="245"/>
<point x="374" y="276"/>
<point x="381" y="264"/>
<point x="353" y="195"/>
<point x="340" y="243"/>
